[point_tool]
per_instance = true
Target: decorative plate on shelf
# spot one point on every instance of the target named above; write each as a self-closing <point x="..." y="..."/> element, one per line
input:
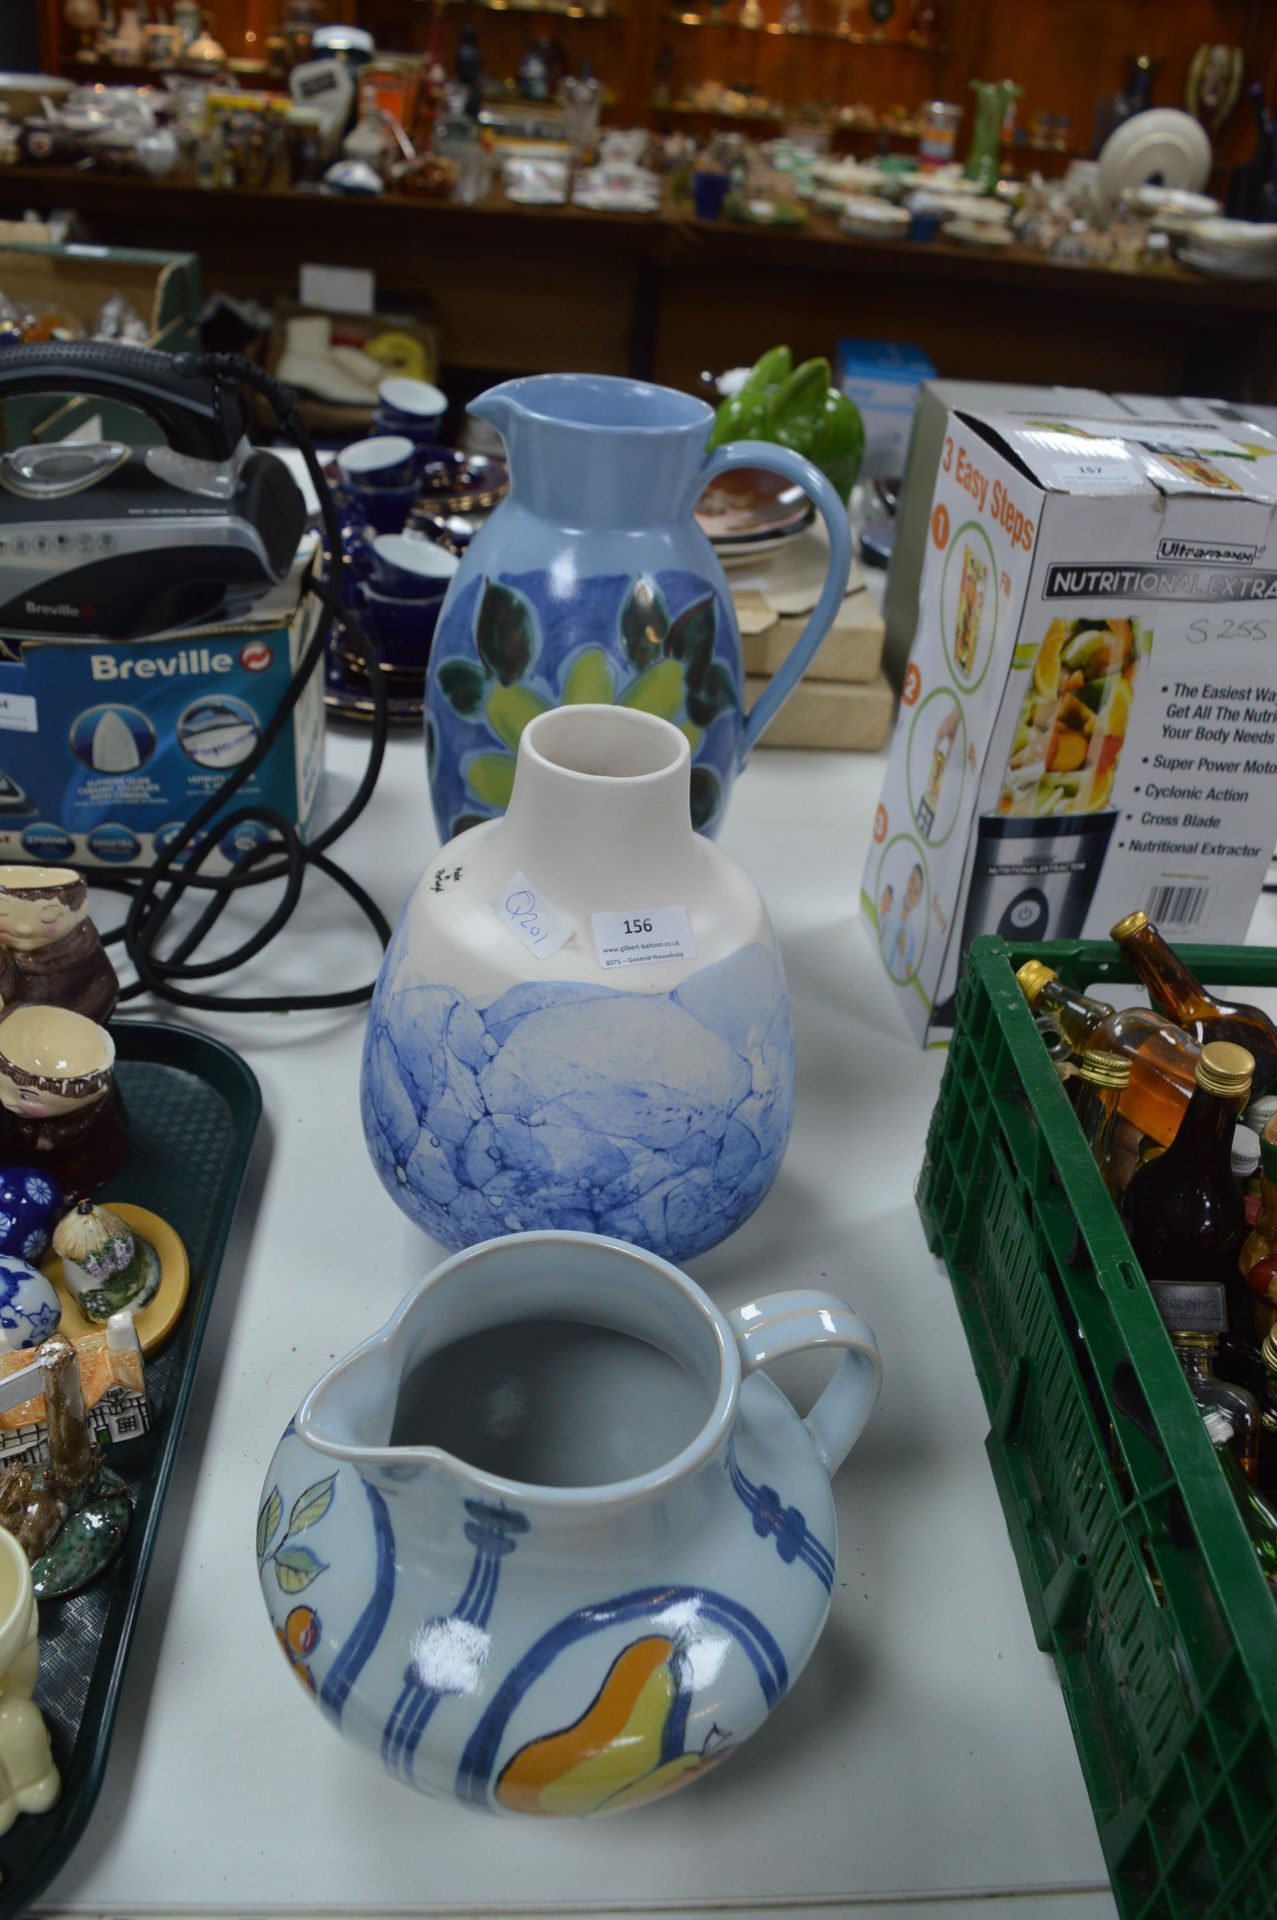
<point x="748" y="505"/>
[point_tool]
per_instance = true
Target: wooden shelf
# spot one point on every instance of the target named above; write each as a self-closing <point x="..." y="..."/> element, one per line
<point x="906" y="44"/>
<point x="785" y="116"/>
<point x="560" y="9"/>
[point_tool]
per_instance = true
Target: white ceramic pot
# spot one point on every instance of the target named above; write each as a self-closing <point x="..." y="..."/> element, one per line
<point x="517" y="1075"/>
<point x="549" y="1542"/>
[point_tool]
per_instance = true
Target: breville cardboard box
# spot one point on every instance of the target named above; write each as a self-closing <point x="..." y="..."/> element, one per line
<point x="107" y="747"/>
<point x="1088" y="722"/>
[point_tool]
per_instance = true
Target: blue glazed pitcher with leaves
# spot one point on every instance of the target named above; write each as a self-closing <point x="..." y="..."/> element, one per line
<point x="593" y="584"/>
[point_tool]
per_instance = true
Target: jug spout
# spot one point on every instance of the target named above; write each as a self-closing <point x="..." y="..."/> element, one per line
<point x="497" y="406"/>
<point x="593" y="450"/>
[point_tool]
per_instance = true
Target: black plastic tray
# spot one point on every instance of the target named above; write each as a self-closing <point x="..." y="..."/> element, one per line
<point x="193" y="1109"/>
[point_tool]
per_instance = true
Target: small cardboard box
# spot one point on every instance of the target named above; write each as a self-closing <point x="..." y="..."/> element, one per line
<point x="163" y="287"/>
<point x="108" y="747"/>
<point x="884" y="378"/>
<point x="1089" y="716"/>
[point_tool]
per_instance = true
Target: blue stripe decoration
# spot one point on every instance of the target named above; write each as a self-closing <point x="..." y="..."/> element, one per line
<point x="367" y="1630"/>
<point x="794" y="1538"/>
<point x="647" y="1605"/>
<point x="492" y="1530"/>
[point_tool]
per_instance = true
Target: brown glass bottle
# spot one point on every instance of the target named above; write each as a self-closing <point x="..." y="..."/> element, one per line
<point x="1180" y="995"/>
<point x="1268" y="1412"/>
<point x="1163" y="1060"/>
<point x="1100" y="1080"/>
<point x="1184" y="1211"/>
<point x="1195" y="1316"/>
<point x="1260" y="1244"/>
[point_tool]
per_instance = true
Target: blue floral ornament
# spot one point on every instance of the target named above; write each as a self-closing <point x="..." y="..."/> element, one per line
<point x="31" y="1205"/>
<point x="29" y="1309"/>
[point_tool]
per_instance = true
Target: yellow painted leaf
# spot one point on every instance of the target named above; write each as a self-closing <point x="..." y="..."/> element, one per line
<point x="589" y="681"/>
<point x="692" y="734"/>
<point x="490" y="778"/>
<point x="659" y="690"/>
<point x="509" y="709"/>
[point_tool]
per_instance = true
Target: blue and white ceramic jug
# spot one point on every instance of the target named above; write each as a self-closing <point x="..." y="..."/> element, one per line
<point x="549" y="1542"/>
<point x="592" y="582"/>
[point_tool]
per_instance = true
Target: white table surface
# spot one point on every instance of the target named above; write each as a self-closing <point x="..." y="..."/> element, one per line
<point x="923" y="1763"/>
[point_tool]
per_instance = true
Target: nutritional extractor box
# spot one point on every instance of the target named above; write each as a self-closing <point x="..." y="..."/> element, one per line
<point x="1088" y="721"/>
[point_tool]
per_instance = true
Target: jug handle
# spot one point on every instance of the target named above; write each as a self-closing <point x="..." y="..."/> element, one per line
<point x="792" y="466"/>
<point x="784" y="1323"/>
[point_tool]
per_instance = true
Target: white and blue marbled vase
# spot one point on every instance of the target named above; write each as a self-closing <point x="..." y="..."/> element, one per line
<point x="504" y="1092"/>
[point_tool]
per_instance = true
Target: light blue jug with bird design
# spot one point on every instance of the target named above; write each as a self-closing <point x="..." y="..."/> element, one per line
<point x="592" y="583"/>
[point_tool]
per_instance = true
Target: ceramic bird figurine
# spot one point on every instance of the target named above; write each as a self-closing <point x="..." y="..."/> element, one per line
<point x="50" y="953"/>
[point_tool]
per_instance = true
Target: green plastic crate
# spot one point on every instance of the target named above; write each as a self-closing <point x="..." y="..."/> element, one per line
<point x="1136" y="1566"/>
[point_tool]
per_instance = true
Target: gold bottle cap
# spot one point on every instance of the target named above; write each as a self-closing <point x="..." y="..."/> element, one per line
<point x="1105" y="1069"/>
<point x="1225" y="1069"/>
<point x="1032" y="977"/>
<point x="1130" y="923"/>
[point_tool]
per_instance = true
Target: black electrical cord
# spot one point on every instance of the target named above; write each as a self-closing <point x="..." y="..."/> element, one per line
<point x="157" y="891"/>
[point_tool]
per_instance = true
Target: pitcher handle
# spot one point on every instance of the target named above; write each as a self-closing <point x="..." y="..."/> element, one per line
<point x="785" y="1323"/>
<point x="792" y="466"/>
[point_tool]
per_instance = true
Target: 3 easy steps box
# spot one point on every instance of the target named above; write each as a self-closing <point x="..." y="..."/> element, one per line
<point x="1088" y="721"/>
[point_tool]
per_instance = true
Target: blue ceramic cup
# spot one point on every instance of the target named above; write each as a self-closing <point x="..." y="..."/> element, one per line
<point x="401" y="628"/>
<point x="412" y="408"/>
<point x="709" y="190"/>
<point x="383" y="460"/>
<point x="407" y="567"/>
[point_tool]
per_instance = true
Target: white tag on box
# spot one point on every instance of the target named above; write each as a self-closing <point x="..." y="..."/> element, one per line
<point x="529" y="915"/>
<point x="651" y="933"/>
<point x="18" y="713"/>
<point x="337" y="289"/>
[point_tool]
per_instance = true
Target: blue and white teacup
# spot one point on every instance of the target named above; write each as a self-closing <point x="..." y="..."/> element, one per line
<point x="410" y="568"/>
<point x="382" y="460"/>
<point x="400" y="627"/>
<point x="413" y="408"/>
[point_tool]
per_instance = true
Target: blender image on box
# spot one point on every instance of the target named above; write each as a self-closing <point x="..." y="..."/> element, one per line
<point x="1039" y="855"/>
<point x="971" y="589"/>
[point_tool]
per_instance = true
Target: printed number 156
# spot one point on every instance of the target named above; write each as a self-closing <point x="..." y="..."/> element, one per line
<point x="638" y="926"/>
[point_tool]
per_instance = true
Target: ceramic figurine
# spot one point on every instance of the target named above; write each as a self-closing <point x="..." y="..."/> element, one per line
<point x="29" y="1309"/>
<point x="582" y="1018"/>
<point x="30" y="1204"/>
<point x="70" y="1512"/>
<point x="106" y="1265"/>
<point x="112" y="1390"/>
<point x="29" y="1781"/>
<point x="50" y="953"/>
<point x="62" y="1108"/>
<point x="554" y="1568"/>
<point x="593" y="582"/>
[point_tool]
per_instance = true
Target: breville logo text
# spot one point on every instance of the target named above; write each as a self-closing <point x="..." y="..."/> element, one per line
<point x="61" y="612"/>
<point x="1208" y="550"/>
<point x="105" y="666"/>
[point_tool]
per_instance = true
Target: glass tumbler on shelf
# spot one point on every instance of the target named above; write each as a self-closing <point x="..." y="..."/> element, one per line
<point x="581" y="105"/>
<point x="939" y="121"/>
